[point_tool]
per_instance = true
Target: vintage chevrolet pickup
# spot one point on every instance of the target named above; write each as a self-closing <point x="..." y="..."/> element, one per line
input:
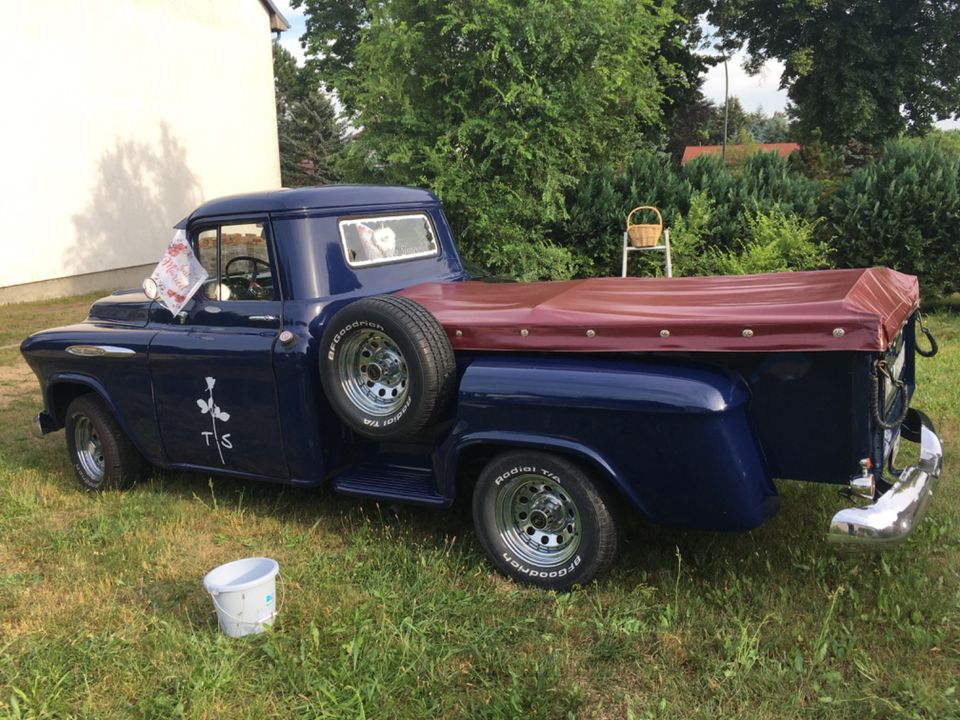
<point x="339" y="340"/>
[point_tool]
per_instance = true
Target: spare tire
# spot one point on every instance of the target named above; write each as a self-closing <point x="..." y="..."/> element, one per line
<point x="387" y="367"/>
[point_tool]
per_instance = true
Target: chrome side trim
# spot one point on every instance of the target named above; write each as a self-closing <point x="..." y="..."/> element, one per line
<point x="892" y="517"/>
<point x="100" y="351"/>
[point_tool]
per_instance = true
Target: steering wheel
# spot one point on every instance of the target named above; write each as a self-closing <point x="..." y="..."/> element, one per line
<point x="253" y="287"/>
<point x="255" y="261"/>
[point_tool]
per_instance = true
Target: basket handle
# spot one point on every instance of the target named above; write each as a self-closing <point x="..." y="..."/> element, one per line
<point x="646" y="207"/>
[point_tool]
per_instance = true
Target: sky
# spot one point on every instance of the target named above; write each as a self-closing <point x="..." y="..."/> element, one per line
<point x="757" y="91"/>
<point x="754" y="91"/>
<point x="291" y="38"/>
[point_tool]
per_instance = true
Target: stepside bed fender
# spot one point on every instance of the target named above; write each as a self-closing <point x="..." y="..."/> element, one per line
<point x="672" y="437"/>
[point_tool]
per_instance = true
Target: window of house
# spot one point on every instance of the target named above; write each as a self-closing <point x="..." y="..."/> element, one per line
<point x="238" y="262"/>
<point x="388" y="238"/>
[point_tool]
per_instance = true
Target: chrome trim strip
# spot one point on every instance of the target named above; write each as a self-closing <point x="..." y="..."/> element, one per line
<point x="100" y="351"/>
<point x="892" y="517"/>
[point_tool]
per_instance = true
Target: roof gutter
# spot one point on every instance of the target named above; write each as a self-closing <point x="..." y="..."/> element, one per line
<point x="278" y="23"/>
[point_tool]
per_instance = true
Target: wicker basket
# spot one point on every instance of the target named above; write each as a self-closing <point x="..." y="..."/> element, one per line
<point x="644" y="235"/>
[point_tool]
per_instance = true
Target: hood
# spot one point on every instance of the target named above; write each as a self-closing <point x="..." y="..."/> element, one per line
<point x="124" y="307"/>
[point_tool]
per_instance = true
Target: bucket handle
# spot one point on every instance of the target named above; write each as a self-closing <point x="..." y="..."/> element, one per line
<point x="273" y="615"/>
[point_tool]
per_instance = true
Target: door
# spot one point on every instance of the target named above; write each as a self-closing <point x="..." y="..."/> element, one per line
<point x="212" y="366"/>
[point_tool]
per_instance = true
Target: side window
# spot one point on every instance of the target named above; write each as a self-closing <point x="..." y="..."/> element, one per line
<point x="207" y="251"/>
<point x="237" y="259"/>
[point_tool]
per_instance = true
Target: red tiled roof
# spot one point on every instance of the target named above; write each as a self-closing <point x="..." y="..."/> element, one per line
<point x="694" y="151"/>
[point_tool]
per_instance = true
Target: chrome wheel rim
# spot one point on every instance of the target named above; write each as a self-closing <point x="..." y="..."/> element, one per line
<point x="89" y="448"/>
<point x="538" y="521"/>
<point x="373" y="373"/>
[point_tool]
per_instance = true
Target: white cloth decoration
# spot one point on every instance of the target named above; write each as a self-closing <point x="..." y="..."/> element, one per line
<point x="178" y="275"/>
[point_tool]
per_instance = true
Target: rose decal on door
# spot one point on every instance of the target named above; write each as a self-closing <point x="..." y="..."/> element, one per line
<point x="209" y="407"/>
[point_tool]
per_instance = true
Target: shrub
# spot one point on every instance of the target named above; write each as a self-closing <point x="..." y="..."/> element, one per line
<point x="776" y="241"/>
<point x="687" y="239"/>
<point x="903" y="211"/>
<point x="949" y="140"/>
<point x="765" y="180"/>
<point x="598" y="209"/>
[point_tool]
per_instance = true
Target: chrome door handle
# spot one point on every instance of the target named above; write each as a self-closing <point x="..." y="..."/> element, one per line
<point x="264" y="318"/>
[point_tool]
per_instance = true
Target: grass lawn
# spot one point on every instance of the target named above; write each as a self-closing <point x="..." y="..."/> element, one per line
<point x="395" y="613"/>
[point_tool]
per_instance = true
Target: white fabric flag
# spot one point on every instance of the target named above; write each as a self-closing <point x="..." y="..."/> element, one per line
<point x="177" y="276"/>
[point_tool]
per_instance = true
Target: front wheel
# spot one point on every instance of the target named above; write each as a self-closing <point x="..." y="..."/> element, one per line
<point x="544" y="521"/>
<point x="102" y="455"/>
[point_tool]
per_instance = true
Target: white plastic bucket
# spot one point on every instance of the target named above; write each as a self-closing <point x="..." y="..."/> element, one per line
<point x="244" y="592"/>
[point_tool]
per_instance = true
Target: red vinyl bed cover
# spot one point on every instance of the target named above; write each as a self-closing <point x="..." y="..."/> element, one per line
<point x="860" y="309"/>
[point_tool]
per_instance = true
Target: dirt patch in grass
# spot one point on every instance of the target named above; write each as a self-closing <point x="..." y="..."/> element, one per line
<point x="15" y="380"/>
<point x="11" y="563"/>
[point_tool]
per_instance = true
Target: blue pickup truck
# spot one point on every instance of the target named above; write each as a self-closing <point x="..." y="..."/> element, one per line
<point x="339" y="340"/>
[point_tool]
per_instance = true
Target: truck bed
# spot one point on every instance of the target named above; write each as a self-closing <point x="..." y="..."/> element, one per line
<point x="821" y="310"/>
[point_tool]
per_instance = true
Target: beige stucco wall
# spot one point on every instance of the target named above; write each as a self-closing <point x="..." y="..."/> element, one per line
<point x="118" y="119"/>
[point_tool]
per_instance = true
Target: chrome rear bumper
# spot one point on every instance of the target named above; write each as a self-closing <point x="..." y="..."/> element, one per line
<point x="891" y="518"/>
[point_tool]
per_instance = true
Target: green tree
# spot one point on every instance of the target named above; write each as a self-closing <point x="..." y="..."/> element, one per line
<point x="684" y="110"/>
<point x="688" y="125"/>
<point x="288" y="80"/>
<point x="334" y="29"/>
<point x="902" y="211"/>
<point x="768" y="128"/>
<point x="499" y="106"/>
<point x="310" y="135"/>
<point x="738" y="122"/>
<point x="856" y="69"/>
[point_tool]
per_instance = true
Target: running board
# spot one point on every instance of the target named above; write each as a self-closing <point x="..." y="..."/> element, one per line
<point x="392" y="483"/>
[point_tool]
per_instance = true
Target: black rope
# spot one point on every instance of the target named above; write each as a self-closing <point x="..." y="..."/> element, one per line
<point x="934" y="348"/>
<point x="881" y="367"/>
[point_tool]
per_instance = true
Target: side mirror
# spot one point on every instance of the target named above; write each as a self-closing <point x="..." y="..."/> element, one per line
<point x="150" y="288"/>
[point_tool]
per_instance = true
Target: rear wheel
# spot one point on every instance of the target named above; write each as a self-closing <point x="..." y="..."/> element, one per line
<point x="102" y="455"/>
<point x="543" y="520"/>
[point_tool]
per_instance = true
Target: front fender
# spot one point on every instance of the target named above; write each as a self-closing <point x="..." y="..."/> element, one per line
<point x="119" y="374"/>
<point x="62" y="387"/>
<point x="672" y="437"/>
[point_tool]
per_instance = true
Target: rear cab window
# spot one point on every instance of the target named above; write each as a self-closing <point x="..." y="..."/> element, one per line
<point x="377" y="240"/>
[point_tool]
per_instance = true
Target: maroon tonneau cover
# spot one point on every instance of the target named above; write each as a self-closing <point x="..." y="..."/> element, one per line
<point x="818" y="310"/>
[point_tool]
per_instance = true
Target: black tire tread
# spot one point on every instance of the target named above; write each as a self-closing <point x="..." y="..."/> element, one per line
<point x="124" y="464"/>
<point x="438" y="341"/>
<point x="427" y="333"/>
<point x="433" y="346"/>
<point x="609" y="515"/>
